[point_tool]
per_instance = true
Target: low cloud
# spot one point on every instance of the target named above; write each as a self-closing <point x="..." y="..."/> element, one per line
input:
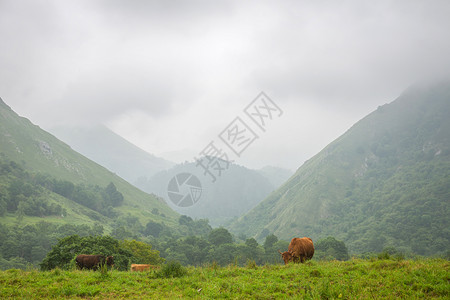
<point x="186" y="68"/>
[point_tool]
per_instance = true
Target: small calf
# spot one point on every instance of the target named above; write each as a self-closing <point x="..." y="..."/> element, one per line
<point x="141" y="267"/>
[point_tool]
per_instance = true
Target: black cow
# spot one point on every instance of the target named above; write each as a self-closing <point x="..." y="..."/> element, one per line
<point x="92" y="262"/>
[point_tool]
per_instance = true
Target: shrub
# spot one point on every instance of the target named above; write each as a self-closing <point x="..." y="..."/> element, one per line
<point x="251" y="264"/>
<point x="391" y="253"/>
<point x="171" y="269"/>
<point x="104" y="271"/>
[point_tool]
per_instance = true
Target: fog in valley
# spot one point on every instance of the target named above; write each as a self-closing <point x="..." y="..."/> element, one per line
<point x="171" y="76"/>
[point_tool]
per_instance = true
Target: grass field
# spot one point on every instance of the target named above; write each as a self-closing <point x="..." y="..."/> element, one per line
<point x="354" y="279"/>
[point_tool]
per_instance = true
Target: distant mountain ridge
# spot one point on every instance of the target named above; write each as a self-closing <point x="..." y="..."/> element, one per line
<point x="236" y="191"/>
<point x="385" y="182"/>
<point x="38" y="152"/>
<point x="240" y="190"/>
<point x="107" y="148"/>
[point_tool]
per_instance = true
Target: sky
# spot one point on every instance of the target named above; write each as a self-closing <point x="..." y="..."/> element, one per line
<point x="172" y="76"/>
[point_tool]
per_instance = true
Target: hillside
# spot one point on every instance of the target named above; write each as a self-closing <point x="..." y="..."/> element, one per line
<point x="110" y="150"/>
<point x="385" y="182"/>
<point x="37" y="153"/>
<point x="234" y="193"/>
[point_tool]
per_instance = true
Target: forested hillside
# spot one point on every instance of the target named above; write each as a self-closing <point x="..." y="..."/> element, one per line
<point x="47" y="191"/>
<point x="385" y="182"/>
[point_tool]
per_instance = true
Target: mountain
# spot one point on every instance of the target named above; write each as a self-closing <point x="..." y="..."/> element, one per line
<point x="276" y="176"/>
<point x="37" y="169"/>
<point x="110" y="150"/>
<point x="385" y="182"/>
<point x="235" y="191"/>
<point x="152" y="174"/>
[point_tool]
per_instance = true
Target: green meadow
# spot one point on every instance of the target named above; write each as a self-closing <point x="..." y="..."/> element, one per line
<point x="353" y="279"/>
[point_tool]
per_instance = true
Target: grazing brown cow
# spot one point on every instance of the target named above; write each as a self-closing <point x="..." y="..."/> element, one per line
<point x="92" y="262"/>
<point x="286" y="256"/>
<point x="300" y="249"/>
<point x="141" y="267"/>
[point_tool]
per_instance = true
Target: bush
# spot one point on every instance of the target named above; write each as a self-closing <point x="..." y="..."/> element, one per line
<point x="171" y="269"/>
<point x="391" y="253"/>
<point x="104" y="271"/>
<point x="251" y="264"/>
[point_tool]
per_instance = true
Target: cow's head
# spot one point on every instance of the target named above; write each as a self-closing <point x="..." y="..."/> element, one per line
<point x="286" y="256"/>
<point x="110" y="260"/>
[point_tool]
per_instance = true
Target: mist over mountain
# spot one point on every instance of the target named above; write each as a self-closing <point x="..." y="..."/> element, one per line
<point x="235" y="191"/>
<point x="110" y="150"/>
<point x="385" y="182"/>
<point x="277" y="176"/>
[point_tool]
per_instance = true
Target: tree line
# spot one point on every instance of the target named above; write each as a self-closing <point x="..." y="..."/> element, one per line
<point x="49" y="245"/>
<point x="29" y="194"/>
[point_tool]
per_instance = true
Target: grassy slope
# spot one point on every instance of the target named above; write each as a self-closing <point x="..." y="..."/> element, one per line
<point x="25" y="143"/>
<point x="355" y="279"/>
<point x="386" y="145"/>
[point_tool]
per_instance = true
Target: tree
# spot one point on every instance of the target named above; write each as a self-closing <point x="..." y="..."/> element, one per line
<point x="64" y="188"/>
<point x="270" y="240"/>
<point x="153" y="228"/>
<point x="121" y="233"/>
<point x="224" y="254"/>
<point x="62" y="253"/>
<point x="220" y="236"/>
<point x="271" y="247"/>
<point x="185" y="220"/>
<point x="142" y="252"/>
<point x="67" y="248"/>
<point x="114" y="197"/>
<point x="252" y="251"/>
<point x="196" y="249"/>
<point x="251" y="242"/>
<point x="330" y="248"/>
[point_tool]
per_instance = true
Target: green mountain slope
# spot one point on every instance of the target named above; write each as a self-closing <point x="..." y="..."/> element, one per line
<point x="39" y="152"/>
<point x="385" y="182"/>
<point x="112" y="151"/>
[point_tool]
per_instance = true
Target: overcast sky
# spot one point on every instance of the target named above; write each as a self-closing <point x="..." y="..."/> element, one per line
<point x="170" y="76"/>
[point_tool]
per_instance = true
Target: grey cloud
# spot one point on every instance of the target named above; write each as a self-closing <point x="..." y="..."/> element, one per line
<point x="171" y="17"/>
<point x="95" y="60"/>
<point x="353" y="55"/>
